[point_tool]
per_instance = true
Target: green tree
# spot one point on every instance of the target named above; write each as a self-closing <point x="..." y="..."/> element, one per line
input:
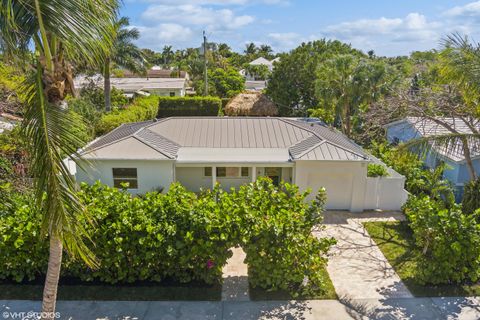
<point x="223" y="83"/>
<point x="348" y="84"/>
<point x="167" y="55"/>
<point x="292" y="84"/>
<point x="250" y="49"/>
<point x="124" y="54"/>
<point x="58" y="32"/>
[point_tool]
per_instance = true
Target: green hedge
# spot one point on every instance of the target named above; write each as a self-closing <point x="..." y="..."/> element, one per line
<point x="180" y="235"/>
<point x="144" y="108"/>
<point x="189" y="106"/>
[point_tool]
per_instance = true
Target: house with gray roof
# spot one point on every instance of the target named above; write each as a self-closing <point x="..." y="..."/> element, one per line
<point x="457" y="172"/>
<point x="202" y="151"/>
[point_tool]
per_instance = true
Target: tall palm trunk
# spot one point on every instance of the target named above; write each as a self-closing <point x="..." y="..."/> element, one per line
<point x="51" y="280"/>
<point x="107" y="85"/>
<point x="468" y="159"/>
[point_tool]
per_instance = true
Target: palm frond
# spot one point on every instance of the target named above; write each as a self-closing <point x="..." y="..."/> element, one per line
<point x="49" y="130"/>
<point x="448" y="144"/>
<point x="83" y="27"/>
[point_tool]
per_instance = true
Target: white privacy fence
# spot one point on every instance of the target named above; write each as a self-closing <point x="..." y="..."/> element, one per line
<point x="385" y="193"/>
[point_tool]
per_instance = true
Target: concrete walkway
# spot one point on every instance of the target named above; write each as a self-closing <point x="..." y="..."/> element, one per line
<point x="388" y="309"/>
<point x="235" y="277"/>
<point x="357" y="267"/>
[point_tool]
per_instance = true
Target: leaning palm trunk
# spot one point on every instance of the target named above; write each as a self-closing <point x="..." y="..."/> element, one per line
<point x="59" y="32"/>
<point x="51" y="280"/>
<point x="107" y="85"/>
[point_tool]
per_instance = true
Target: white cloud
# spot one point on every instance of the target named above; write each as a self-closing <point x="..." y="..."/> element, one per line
<point x="156" y="37"/>
<point x="212" y="19"/>
<point x="414" y="25"/>
<point x="469" y="10"/>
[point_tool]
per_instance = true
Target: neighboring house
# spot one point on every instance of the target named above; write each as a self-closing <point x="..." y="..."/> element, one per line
<point x="173" y="87"/>
<point x="412" y="128"/>
<point x="157" y="72"/>
<point x="252" y="81"/>
<point x="198" y="152"/>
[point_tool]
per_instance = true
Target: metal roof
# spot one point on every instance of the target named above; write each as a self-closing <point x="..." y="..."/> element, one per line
<point x="427" y="128"/>
<point x="209" y="138"/>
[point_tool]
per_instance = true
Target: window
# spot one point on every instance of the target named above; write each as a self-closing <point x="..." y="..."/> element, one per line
<point x="228" y="172"/>
<point x="207" y="171"/>
<point x="125" y="175"/>
<point x="172" y="94"/>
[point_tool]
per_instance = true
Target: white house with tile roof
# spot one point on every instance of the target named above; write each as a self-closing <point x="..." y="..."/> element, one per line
<point x="201" y="151"/>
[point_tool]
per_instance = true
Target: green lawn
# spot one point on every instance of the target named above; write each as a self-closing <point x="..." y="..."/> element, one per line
<point x="397" y="244"/>
<point x="258" y="294"/>
<point x="132" y="292"/>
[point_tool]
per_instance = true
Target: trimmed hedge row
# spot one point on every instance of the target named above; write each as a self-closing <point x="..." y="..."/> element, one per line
<point x="142" y="109"/>
<point x="189" y="106"/>
<point x="180" y="235"/>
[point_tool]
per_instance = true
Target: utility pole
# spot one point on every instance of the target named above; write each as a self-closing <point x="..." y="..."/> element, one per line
<point x="205" y="75"/>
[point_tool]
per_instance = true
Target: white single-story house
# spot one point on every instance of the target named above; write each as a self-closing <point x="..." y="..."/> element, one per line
<point x="457" y="172"/>
<point x="201" y="151"/>
<point x="173" y="87"/>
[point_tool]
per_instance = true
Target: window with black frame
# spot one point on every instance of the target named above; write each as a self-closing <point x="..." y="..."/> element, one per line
<point x="125" y="175"/>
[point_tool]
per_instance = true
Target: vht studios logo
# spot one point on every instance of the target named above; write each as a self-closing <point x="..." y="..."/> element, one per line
<point x="29" y="315"/>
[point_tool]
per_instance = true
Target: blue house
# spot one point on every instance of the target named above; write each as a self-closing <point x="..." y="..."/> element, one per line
<point x="413" y="128"/>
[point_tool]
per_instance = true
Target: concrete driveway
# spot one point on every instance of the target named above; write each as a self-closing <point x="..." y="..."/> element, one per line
<point x="357" y="267"/>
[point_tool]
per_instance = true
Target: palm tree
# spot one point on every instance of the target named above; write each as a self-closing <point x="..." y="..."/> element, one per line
<point x="265" y="51"/>
<point x="58" y="32"/>
<point x="167" y="54"/>
<point x="250" y="49"/>
<point x="124" y="54"/>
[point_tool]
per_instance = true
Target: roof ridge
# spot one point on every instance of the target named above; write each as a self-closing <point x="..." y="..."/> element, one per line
<point x="323" y="141"/>
<point x="153" y="147"/>
<point x="145" y="129"/>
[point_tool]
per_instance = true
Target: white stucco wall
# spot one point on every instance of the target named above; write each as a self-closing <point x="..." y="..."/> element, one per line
<point x="151" y="174"/>
<point x="344" y="181"/>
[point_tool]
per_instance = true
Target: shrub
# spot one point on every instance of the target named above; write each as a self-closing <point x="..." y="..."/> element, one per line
<point x="276" y="226"/>
<point x="144" y="108"/>
<point x="189" y="106"/>
<point x="376" y="170"/>
<point x="449" y="241"/>
<point x="24" y="253"/>
<point x="173" y="235"/>
<point x="471" y="196"/>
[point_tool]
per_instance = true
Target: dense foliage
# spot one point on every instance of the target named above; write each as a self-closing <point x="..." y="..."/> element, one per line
<point x="276" y="233"/>
<point x="448" y="239"/>
<point x="292" y="83"/>
<point x="189" y="106"/>
<point x="179" y="235"/>
<point x="222" y="82"/>
<point x="471" y="196"/>
<point x="142" y="109"/>
<point x="376" y="170"/>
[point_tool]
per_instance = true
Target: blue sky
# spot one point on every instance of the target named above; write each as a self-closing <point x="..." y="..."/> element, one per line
<point x="389" y="27"/>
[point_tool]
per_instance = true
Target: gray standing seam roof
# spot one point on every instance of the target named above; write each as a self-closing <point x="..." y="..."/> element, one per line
<point x="304" y="141"/>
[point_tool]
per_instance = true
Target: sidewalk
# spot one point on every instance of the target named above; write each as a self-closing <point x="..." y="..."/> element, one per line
<point x="388" y="309"/>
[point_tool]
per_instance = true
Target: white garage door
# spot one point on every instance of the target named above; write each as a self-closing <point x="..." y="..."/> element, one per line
<point x="338" y="186"/>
